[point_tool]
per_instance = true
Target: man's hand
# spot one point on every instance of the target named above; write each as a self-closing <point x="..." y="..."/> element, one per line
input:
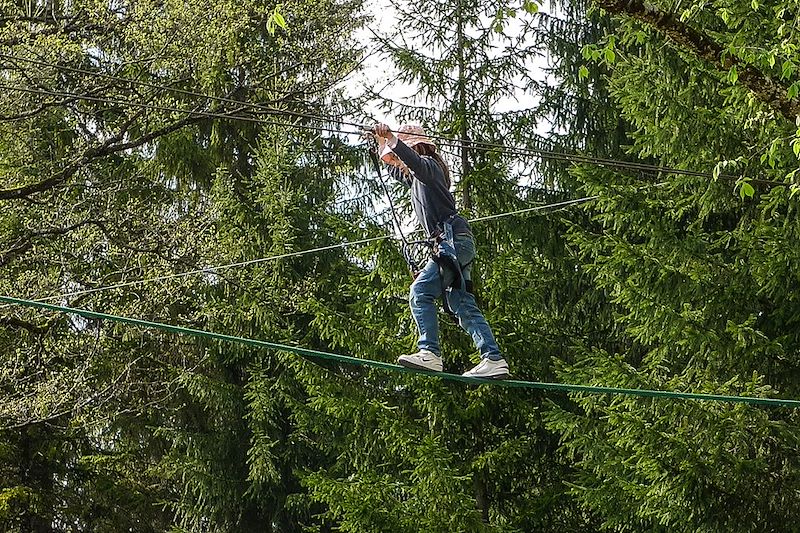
<point x="382" y="130"/>
<point x="386" y="142"/>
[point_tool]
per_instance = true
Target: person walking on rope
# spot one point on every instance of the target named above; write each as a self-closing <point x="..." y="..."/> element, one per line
<point x="414" y="161"/>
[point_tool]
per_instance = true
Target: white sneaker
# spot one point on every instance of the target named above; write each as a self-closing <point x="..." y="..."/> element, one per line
<point x="489" y="369"/>
<point x="422" y="360"/>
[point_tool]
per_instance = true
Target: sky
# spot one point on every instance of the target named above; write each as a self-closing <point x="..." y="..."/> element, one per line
<point x="378" y="72"/>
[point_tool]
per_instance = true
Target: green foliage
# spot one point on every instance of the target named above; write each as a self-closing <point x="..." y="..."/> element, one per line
<point x="276" y="20"/>
<point x="105" y="428"/>
<point x="664" y="282"/>
<point x="695" y="296"/>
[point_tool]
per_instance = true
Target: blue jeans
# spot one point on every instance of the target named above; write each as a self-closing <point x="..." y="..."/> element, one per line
<point x="428" y="286"/>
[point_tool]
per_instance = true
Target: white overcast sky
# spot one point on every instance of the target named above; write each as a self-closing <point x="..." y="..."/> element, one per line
<point x="379" y="72"/>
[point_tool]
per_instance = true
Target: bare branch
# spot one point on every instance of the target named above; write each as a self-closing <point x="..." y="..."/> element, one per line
<point x="109" y="147"/>
<point x="16" y="323"/>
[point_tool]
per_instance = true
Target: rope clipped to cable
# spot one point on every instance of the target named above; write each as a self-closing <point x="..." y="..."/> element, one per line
<point x="406" y="245"/>
<point x="564" y="387"/>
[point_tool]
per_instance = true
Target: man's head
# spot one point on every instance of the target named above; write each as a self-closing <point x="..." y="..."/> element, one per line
<point x="414" y="135"/>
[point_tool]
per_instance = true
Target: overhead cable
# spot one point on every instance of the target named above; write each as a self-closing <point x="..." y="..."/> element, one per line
<point x="442" y="140"/>
<point x="212" y="270"/>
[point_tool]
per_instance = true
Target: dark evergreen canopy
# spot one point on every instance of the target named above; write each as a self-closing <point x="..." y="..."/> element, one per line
<point x="141" y="140"/>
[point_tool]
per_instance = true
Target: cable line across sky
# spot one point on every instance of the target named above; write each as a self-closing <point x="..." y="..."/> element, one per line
<point x="211" y="270"/>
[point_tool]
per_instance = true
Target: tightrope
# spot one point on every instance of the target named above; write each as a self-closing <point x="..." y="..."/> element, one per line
<point x="588" y="389"/>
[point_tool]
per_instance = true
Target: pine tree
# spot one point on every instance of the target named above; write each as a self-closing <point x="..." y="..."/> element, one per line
<point x="438" y="451"/>
<point x="691" y="265"/>
<point x="107" y="180"/>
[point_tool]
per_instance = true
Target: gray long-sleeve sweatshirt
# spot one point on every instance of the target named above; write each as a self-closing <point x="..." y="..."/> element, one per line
<point x="432" y="201"/>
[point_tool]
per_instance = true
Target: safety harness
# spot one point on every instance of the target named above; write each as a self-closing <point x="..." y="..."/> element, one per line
<point x="443" y="253"/>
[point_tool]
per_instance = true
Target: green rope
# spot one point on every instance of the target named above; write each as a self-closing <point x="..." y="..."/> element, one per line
<point x="644" y="393"/>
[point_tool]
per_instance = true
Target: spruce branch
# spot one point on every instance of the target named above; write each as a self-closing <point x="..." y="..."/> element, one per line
<point x="764" y="87"/>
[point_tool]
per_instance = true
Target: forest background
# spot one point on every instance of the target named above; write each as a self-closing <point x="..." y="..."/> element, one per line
<point x="142" y="140"/>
